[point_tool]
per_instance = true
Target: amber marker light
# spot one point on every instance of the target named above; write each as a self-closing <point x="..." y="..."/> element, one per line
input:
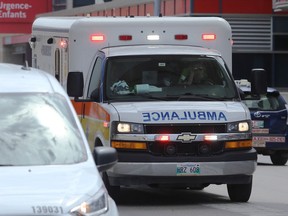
<point x="129" y="145"/>
<point x="238" y="144"/>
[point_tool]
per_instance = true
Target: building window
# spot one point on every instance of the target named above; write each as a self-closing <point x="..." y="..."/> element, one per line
<point x="80" y="3"/>
<point x="59" y="5"/>
<point x="280" y="33"/>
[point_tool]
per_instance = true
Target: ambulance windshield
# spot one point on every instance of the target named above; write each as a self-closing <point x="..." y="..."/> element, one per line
<point x="171" y="77"/>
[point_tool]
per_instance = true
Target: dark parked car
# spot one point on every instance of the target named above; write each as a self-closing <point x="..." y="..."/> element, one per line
<point x="269" y="123"/>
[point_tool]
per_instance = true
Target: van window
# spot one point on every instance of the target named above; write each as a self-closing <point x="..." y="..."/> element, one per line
<point x="95" y="77"/>
<point x="268" y="102"/>
<point x="57" y="64"/>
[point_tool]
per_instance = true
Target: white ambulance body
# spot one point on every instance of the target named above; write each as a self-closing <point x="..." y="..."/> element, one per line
<point x="159" y="90"/>
<point x="55" y="33"/>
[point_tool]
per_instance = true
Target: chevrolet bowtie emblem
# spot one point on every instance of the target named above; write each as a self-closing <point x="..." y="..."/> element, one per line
<point x="186" y="137"/>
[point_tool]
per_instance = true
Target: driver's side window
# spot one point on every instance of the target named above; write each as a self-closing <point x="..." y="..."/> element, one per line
<point x="95" y="77"/>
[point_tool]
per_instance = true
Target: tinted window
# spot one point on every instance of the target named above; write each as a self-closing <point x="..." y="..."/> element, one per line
<point x="95" y="77"/>
<point x="80" y="3"/>
<point x="269" y="102"/>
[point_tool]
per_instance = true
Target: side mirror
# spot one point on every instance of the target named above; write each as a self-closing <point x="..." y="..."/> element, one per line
<point x="105" y="157"/>
<point x="75" y="84"/>
<point x="258" y="81"/>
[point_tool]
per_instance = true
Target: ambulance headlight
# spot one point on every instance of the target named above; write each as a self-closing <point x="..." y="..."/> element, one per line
<point x="238" y="127"/>
<point x="126" y="127"/>
<point x="97" y="205"/>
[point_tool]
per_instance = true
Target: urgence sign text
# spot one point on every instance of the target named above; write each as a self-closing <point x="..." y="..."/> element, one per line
<point x="14" y="10"/>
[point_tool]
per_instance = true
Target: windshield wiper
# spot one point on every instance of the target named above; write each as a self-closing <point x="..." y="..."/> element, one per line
<point x="148" y="96"/>
<point x="182" y="97"/>
<point x="189" y="96"/>
<point x="137" y="97"/>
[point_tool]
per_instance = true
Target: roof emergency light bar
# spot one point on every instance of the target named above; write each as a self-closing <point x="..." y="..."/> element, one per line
<point x="152" y="37"/>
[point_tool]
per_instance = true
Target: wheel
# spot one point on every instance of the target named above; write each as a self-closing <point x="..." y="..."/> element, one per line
<point x="239" y="192"/>
<point x="114" y="191"/>
<point x="278" y="159"/>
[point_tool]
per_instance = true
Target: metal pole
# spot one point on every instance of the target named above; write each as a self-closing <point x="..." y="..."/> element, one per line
<point x="157" y="7"/>
<point x="69" y="5"/>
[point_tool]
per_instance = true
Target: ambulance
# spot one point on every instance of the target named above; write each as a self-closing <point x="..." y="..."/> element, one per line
<point x="158" y="89"/>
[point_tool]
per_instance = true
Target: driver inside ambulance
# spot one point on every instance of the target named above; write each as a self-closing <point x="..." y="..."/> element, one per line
<point x="193" y="74"/>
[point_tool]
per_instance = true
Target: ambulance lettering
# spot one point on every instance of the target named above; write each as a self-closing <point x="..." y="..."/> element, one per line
<point x="183" y="116"/>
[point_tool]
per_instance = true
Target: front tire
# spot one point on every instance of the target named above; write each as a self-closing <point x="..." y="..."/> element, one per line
<point x="278" y="159"/>
<point x="113" y="191"/>
<point x="239" y="192"/>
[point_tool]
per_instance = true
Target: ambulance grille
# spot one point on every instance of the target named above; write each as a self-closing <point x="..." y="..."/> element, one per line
<point x="186" y="149"/>
<point x="181" y="128"/>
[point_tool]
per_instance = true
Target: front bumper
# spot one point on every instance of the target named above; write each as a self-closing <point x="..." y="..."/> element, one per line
<point x="230" y="168"/>
<point x="269" y="143"/>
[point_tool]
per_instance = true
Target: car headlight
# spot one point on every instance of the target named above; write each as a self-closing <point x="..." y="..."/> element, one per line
<point x="126" y="127"/>
<point x="238" y="127"/>
<point x="97" y="205"/>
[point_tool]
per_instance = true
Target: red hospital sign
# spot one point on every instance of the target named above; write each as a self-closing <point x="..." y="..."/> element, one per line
<point x="16" y="16"/>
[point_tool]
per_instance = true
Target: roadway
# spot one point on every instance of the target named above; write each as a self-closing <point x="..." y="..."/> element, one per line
<point x="269" y="197"/>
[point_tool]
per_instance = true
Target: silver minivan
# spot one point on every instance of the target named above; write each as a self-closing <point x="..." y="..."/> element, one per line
<point x="47" y="167"/>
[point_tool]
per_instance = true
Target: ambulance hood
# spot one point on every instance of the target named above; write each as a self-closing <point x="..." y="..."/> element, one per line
<point x="182" y="112"/>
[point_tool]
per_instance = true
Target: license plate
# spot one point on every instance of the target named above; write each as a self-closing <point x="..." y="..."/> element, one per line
<point x="186" y="169"/>
<point x="257" y="124"/>
<point x="258" y="143"/>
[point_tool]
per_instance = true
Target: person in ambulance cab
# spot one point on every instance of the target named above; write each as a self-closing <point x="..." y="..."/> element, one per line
<point x="194" y="74"/>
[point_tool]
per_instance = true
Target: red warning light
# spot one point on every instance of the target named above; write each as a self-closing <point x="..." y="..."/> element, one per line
<point x="105" y="124"/>
<point x="63" y="44"/>
<point x="208" y="36"/>
<point x="162" y="138"/>
<point x="181" y="37"/>
<point x="97" y="37"/>
<point x="125" y="37"/>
